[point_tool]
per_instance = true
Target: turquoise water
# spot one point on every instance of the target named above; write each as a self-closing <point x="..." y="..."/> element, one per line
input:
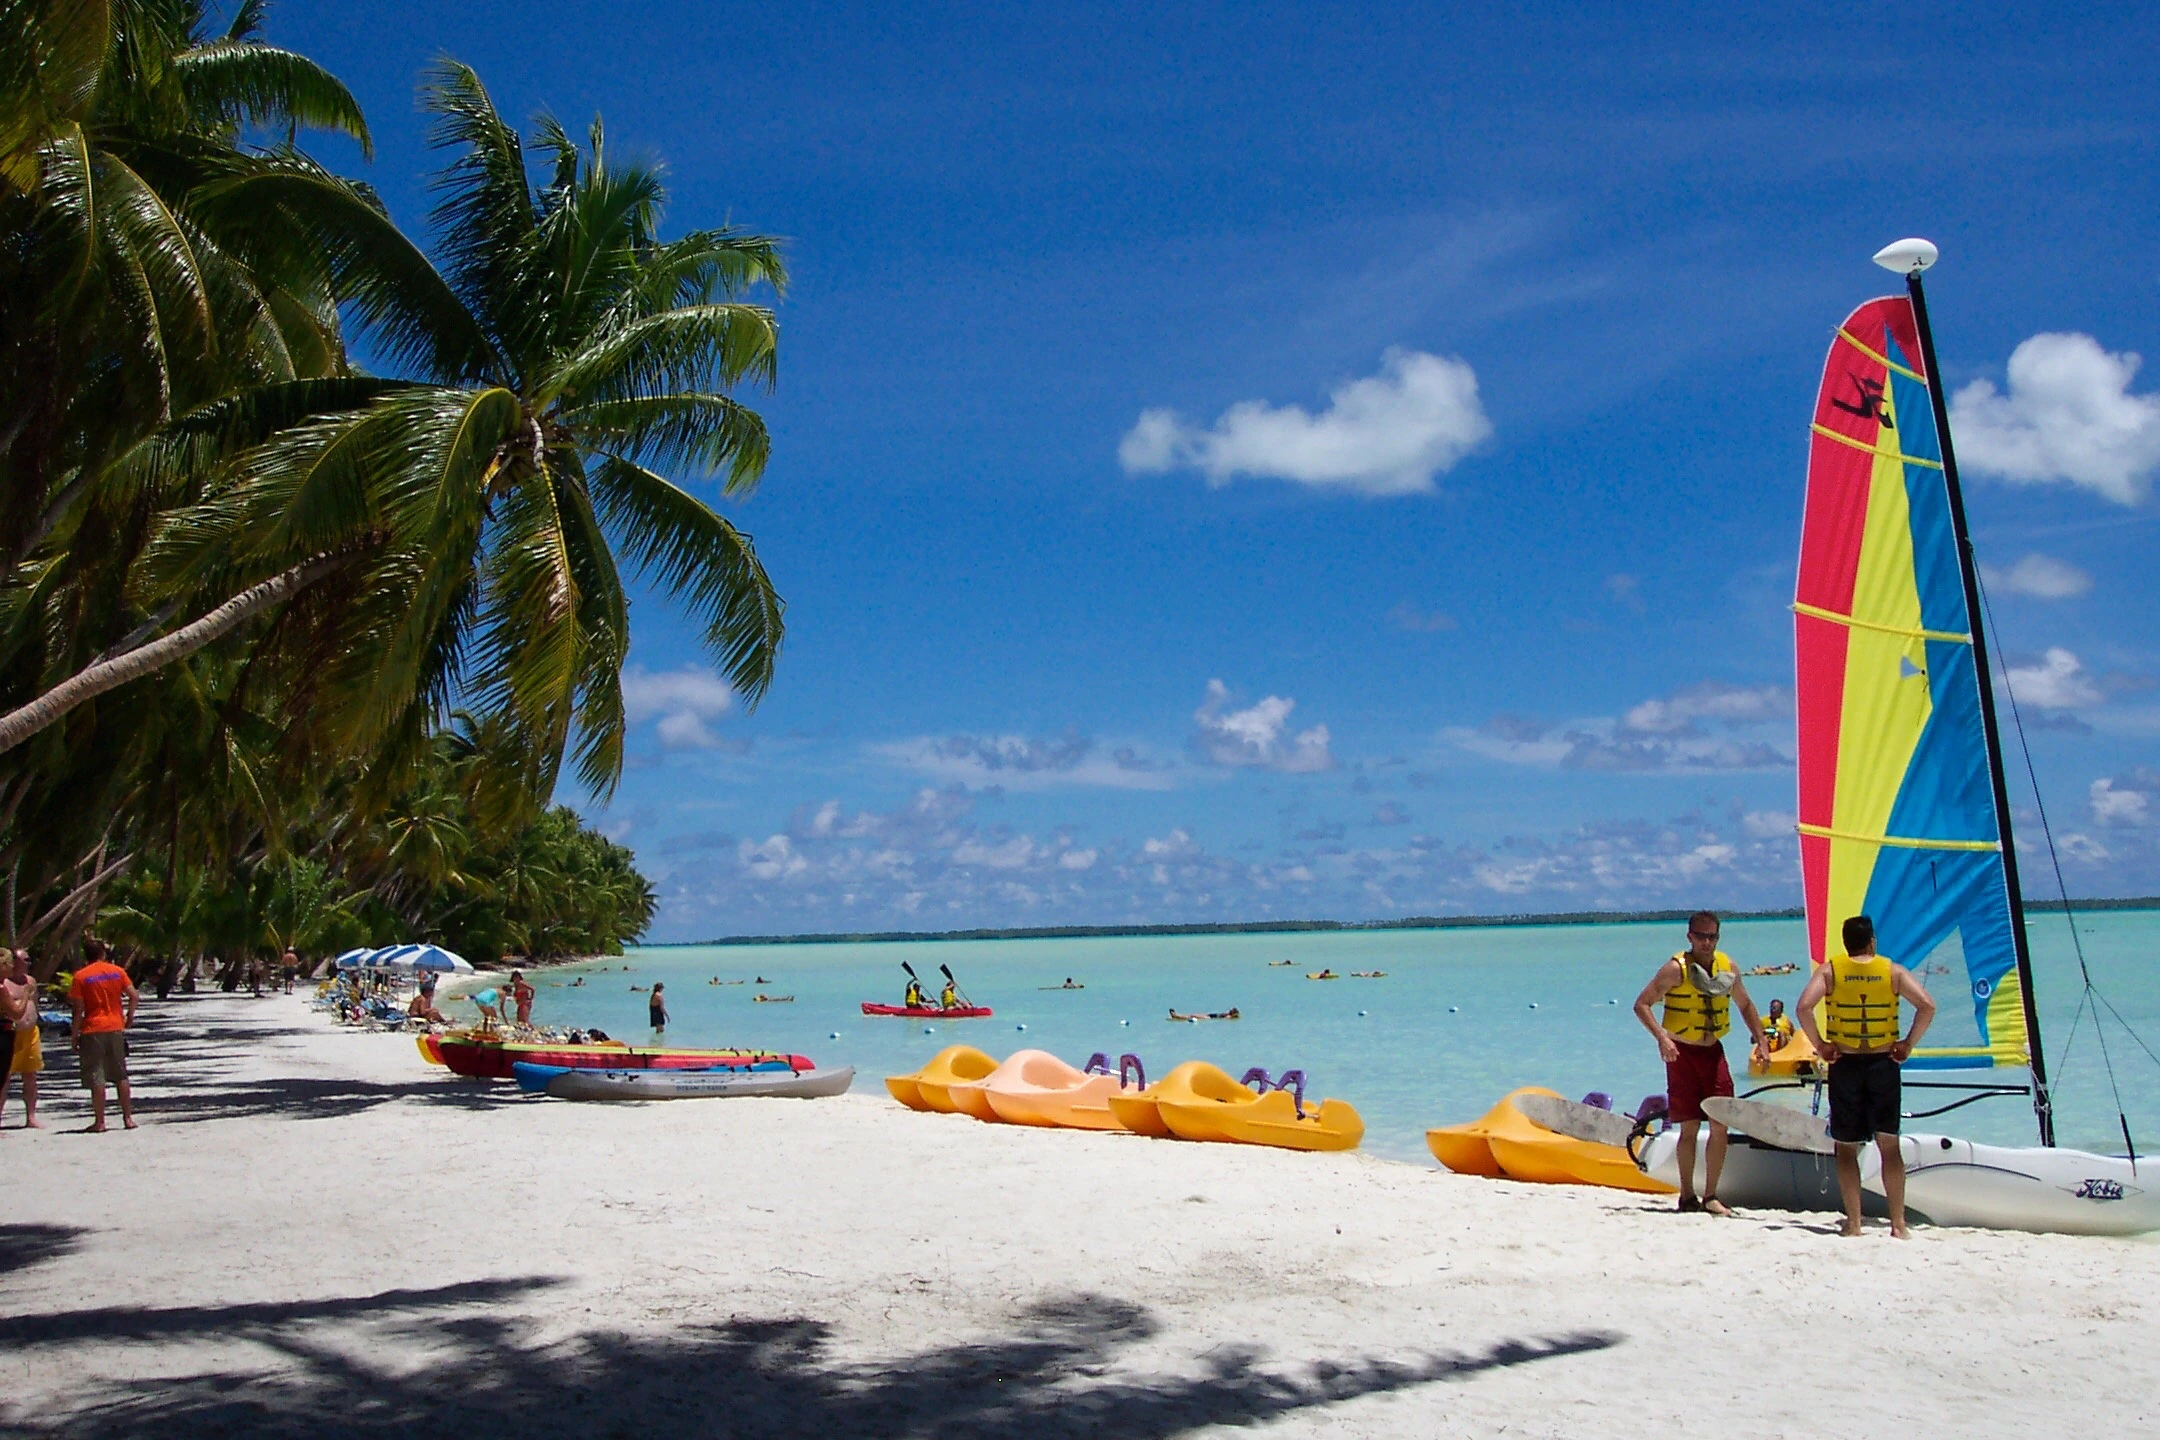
<point x="1462" y="1016"/>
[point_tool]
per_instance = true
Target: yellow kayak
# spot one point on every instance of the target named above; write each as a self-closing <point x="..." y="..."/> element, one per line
<point x="928" y="1088"/>
<point x="1200" y="1102"/>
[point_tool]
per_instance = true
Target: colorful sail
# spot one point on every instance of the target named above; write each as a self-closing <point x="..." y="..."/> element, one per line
<point x="1897" y="805"/>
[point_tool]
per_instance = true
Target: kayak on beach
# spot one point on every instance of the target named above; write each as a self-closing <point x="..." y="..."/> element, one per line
<point x="488" y="1059"/>
<point x="773" y="1083"/>
<point x="927" y="1012"/>
<point x="533" y="1079"/>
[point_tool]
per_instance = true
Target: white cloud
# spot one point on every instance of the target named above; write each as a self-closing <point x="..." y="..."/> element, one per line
<point x="1696" y="728"/>
<point x="2069" y="417"/>
<point x="1387" y="434"/>
<point x="1682" y="711"/>
<point x="683" y="701"/>
<point x="1077" y="860"/>
<point x="2058" y="682"/>
<point x="775" y="859"/>
<point x="2041" y="576"/>
<point x="1018" y="762"/>
<point x="1769" y="824"/>
<point x="1253" y="737"/>
<point x="2111" y="806"/>
<point x="1012" y="854"/>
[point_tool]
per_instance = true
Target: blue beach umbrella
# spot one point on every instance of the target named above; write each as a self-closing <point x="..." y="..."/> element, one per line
<point x="354" y="959"/>
<point x="418" y="958"/>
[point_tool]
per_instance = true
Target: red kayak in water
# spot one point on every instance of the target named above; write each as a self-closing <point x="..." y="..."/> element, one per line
<point x="492" y="1059"/>
<point x="927" y="1012"/>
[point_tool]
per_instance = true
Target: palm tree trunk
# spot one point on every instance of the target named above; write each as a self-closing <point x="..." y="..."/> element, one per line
<point x="19" y="725"/>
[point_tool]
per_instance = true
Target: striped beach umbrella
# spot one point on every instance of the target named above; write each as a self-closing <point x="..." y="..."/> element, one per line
<point x="416" y="958"/>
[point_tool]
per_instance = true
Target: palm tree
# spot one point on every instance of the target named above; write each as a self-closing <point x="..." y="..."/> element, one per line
<point x="480" y="518"/>
<point x="151" y="273"/>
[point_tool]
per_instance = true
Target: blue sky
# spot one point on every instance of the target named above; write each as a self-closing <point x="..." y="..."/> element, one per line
<point x="1250" y="462"/>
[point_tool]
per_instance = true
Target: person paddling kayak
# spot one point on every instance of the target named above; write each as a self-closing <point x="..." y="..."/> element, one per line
<point x="915" y="999"/>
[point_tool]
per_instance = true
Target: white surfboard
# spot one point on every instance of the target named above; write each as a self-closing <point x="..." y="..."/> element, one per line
<point x="1778" y="1125"/>
<point x="1576" y="1120"/>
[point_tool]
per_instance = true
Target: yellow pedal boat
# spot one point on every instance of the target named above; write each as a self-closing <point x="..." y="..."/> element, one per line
<point x="1136" y="1110"/>
<point x="1505" y="1143"/>
<point x="1200" y="1102"/>
<point x="927" y="1088"/>
<point x="1034" y="1087"/>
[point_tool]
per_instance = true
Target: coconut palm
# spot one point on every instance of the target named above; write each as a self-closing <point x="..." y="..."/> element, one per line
<point x="480" y="519"/>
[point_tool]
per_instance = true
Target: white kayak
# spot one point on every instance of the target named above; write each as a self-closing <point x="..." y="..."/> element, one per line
<point x="699" y="1084"/>
<point x="2063" y="1192"/>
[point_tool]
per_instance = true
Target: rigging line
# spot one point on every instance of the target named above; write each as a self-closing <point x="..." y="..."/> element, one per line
<point x="2061" y="888"/>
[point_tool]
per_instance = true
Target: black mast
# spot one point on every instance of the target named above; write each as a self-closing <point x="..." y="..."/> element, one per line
<point x="2043" y="1106"/>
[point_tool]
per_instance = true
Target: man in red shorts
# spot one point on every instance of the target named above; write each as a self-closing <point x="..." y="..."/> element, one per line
<point x="1699" y="986"/>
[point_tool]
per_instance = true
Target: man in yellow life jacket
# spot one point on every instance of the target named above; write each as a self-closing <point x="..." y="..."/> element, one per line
<point x="1777" y="1026"/>
<point x="1858" y="1035"/>
<point x="1699" y="988"/>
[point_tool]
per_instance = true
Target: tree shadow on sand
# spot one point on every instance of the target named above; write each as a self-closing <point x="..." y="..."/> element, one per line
<point x="1053" y="1375"/>
<point x="22" y="1246"/>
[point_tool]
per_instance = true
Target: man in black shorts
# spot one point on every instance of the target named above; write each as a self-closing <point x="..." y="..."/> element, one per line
<point x="1859" y="991"/>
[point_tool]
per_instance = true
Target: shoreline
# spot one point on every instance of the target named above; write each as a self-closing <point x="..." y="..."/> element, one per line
<point x="315" y="1234"/>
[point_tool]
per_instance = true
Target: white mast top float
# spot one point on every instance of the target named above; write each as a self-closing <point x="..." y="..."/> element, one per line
<point x="1907" y="257"/>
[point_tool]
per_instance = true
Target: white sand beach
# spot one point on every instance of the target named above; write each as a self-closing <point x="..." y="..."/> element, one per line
<point x="315" y="1234"/>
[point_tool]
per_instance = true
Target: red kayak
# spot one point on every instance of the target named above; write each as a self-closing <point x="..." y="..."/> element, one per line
<point x="491" y="1059"/>
<point x="927" y="1012"/>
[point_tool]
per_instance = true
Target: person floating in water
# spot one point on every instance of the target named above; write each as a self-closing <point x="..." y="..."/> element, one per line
<point x="1859" y="991"/>
<point x="1699" y="986"/>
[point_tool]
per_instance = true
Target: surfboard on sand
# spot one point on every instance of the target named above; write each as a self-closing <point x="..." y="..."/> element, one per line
<point x="1576" y="1120"/>
<point x="1777" y="1125"/>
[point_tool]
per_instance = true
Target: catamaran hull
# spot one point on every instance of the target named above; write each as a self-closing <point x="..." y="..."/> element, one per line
<point x="1763" y="1177"/>
<point x="2053" y="1192"/>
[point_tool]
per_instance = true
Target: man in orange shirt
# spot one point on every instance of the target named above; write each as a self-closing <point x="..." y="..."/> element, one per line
<point x="104" y="1000"/>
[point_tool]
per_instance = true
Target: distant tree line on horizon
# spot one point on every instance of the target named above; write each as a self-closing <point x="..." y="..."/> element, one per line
<point x="294" y="650"/>
<point x="1407" y="922"/>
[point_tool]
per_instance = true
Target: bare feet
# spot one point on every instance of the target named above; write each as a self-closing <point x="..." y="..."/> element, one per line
<point x="1850" y="1230"/>
<point x="1899" y="1232"/>
<point x="97" y="1129"/>
<point x="1713" y="1206"/>
<point x="33" y="1123"/>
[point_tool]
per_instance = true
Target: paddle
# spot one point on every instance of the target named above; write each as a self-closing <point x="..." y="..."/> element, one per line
<point x="947" y="970"/>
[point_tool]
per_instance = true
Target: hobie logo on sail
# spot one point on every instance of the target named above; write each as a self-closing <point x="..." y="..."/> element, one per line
<point x="1870" y="404"/>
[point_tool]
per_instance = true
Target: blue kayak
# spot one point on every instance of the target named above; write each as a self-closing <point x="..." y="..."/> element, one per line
<point x="533" y="1079"/>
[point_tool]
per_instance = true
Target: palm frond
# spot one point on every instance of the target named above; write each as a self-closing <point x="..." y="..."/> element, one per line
<point x="484" y="218"/>
<point x="671" y="539"/>
<point x="696" y="347"/>
<point x="243" y="82"/>
<point x="703" y="431"/>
